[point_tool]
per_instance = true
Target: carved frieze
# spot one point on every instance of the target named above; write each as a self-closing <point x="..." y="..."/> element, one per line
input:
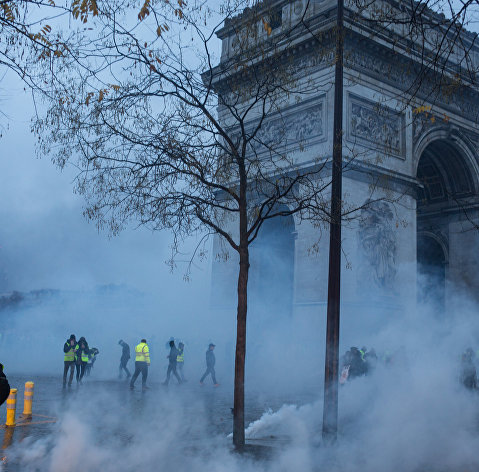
<point x="291" y="128"/>
<point x="400" y="74"/>
<point x="376" y="126"/>
<point x="424" y="121"/>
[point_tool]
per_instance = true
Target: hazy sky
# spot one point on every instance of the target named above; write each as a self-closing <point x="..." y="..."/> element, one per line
<point x="45" y="241"/>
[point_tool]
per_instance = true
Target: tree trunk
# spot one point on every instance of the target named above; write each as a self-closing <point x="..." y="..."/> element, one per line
<point x="238" y="413"/>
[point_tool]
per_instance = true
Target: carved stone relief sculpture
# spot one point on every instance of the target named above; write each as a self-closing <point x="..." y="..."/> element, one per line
<point x="375" y="124"/>
<point x="295" y="128"/>
<point x="378" y="244"/>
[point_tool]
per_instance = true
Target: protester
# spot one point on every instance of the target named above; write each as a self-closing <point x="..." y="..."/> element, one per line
<point x="92" y="356"/>
<point x="142" y="362"/>
<point x="69" y="348"/>
<point x="210" y="365"/>
<point x="125" y="357"/>
<point x="81" y="358"/>
<point x="4" y="386"/>
<point x="172" y="363"/>
<point x="468" y="370"/>
<point x="180" y="360"/>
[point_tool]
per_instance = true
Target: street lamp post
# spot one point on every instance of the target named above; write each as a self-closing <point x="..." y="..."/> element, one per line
<point x="331" y="371"/>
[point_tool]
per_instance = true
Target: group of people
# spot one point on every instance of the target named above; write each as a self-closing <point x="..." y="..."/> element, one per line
<point x="357" y="362"/>
<point x="77" y="356"/>
<point x="176" y="362"/>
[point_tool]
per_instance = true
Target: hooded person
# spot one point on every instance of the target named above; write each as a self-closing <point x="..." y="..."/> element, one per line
<point x="4" y="386"/>
<point x="82" y="356"/>
<point x="125" y="357"/>
<point x="69" y="348"/>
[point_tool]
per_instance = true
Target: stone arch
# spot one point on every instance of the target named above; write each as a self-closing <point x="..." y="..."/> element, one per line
<point x="455" y="141"/>
<point x="272" y="257"/>
<point x="439" y="239"/>
<point x="447" y="170"/>
<point x="432" y="263"/>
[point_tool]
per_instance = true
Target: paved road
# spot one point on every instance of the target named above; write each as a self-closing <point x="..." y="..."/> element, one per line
<point x="108" y="414"/>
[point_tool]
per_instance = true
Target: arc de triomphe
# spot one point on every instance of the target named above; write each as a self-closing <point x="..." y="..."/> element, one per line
<point x="423" y="153"/>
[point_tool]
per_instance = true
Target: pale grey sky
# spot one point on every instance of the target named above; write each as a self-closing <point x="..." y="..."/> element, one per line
<point x="45" y="242"/>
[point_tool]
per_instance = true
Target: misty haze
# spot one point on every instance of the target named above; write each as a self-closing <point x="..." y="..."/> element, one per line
<point x="239" y="235"/>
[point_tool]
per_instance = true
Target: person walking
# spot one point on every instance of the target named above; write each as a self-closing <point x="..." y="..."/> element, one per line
<point x="172" y="363"/>
<point x="82" y="357"/>
<point x="468" y="370"/>
<point x="180" y="361"/>
<point x="125" y="357"/>
<point x="69" y="348"/>
<point x="93" y="352"/>
<point x="4" y="386"/>
<point x="142" y="362"/>
<point x="210" y="365"/>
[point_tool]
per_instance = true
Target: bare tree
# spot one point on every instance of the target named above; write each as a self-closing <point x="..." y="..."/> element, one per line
<point x="162" y="135"/>
<point x="33" y="33"/>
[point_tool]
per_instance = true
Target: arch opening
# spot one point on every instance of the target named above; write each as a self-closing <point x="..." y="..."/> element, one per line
<point x="271" y="275"/>
<point x="431" y="268"/>
<point x="445" y="178"/>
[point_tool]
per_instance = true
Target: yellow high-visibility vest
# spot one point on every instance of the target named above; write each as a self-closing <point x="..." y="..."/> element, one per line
<point x="84" y="356"/>
<point x="180" y="357"/>
<point x="70" y="355"/>
<point x="142" y="353"/>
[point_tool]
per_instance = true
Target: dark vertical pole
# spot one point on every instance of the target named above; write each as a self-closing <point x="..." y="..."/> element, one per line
<point x="330" y="409"/>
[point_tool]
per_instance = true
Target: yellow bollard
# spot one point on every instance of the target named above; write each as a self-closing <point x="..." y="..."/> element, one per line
<point x="28" y="400"/>
<point x="11" y="407"/>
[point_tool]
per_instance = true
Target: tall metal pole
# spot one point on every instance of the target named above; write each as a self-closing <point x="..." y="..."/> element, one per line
<point x="331" y="370"/>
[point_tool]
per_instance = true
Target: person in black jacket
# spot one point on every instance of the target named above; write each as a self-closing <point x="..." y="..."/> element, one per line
<point x="125" y="357"/>
<point x="172" y="362"/>
<point x="210" y="365"/>
<point x="69" y="348"/>
<point x="82" y="356"/>
<point x="4" y="386"/>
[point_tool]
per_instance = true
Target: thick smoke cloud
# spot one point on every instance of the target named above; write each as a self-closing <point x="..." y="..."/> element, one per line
<point x="412" y="414"/>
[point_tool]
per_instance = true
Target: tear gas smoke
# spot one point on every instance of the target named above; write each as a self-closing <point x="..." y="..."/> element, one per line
<point x="408" y="415"/>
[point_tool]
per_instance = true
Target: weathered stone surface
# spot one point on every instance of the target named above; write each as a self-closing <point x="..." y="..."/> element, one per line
<point x="395" y="146"/>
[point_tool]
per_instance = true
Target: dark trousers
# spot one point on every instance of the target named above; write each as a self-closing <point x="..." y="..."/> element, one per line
<point x="80" y="371"/>
<point x="68" y="365"/>
<point x="140" y="367"/>
<point x="123" y="367"/>
<point x="209" y="370"/>
<point x="172" y="368"/>
<point x="180" y="370"/>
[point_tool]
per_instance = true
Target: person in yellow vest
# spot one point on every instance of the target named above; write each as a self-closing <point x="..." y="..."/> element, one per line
<point x="81" y="358"/>
<point x="69" y="348"/>
<point x="180" y="360"/>
<point x="142" y="362"/>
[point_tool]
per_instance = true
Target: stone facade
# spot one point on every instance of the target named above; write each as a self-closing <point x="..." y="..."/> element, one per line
<point x="414" y="163"/>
